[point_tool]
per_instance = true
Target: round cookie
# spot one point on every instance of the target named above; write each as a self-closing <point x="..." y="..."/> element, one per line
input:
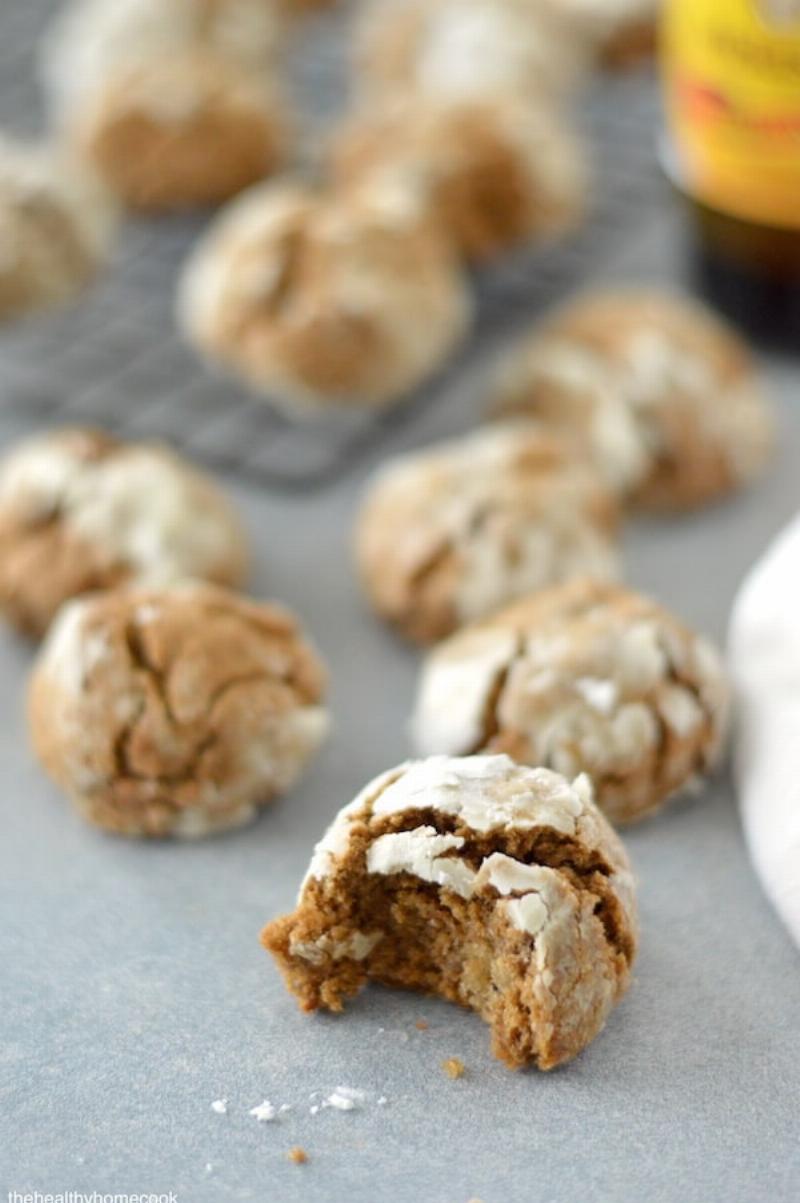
<point x="183" y="131"/>
<point x="585" y="677"/>
<point x="319" y="300"/>
<point x="466" y="49"/>
<point x="55" y="228"/>
<point x="81" y="511"/>
<point x="493" y="885"/>
<point x="175" y="712"/>
<point x="656" y="389"/>
<point x="492" y="172"/>
<point x="174" y="104"/>
<point x="450" y="533"/>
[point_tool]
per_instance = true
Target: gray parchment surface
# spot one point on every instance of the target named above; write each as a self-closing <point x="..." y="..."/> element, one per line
<point x="135" y="992"/>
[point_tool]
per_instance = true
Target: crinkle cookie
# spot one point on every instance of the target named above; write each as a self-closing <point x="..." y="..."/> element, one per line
<point x="174" y="104"/>
<point x="80" y="511"/>
<point x="450" y="533"/>
<point x="492" y="172"/>
<point x="318" y="300"/>
<point x="55" y="228"/>
<point x="585" y="677"/>
<point x="175" y="712"/>
<point x="496" y="886"/>
<point x="462" y="49"/>
<point x="662" y="394"/>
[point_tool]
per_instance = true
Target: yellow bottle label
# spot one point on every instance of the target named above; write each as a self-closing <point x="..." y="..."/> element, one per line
<point x="732" y="80"/>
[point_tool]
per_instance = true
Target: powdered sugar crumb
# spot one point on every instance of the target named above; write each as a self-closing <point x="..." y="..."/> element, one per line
<point x="264" y="1112"/>
<point x="220" y="1106"/>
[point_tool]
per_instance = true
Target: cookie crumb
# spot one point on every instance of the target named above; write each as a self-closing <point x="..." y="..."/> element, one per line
<point x="422" y="1025"/>
<point x="220" y="1106"/>
<point x="264" y="1112"/>
<point x="454" y="1067"/>
<point x="344" y="1098"/>
<point x="297" y="1155"/>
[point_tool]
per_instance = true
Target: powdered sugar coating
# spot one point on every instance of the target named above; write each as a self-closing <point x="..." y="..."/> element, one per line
<point x="582" y="678"/>
<point x="449" y="534"/>
<point x="660" y="393"/>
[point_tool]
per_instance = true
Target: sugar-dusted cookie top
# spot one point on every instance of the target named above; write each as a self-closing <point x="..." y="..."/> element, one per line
<point x="661" y="393"/>
<point x="498" y="886"/>
<point x="317" y="299"/>
<point x="175" y="712"/>
<point x="448" y="534"/>
<point x="493" y="171"/>
<point x="585" y="677"/>
<point x="80" y="510"/>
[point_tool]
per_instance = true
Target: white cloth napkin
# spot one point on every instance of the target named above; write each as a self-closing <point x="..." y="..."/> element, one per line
<point x="764" y="654"/>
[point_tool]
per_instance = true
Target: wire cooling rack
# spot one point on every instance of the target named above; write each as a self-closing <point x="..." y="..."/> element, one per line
<point x="116" y="359"/>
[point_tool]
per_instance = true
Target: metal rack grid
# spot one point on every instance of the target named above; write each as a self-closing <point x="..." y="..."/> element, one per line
<point x="117" y="360"/>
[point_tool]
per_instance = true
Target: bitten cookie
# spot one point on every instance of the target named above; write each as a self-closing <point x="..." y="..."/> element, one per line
<point x="588" y="678"/>
<point x="174" y="104"/>
<point x="467" y="49"/>
<point x="175" y="712"/>
<point x="55" y="228"/>
<point x="80" y="511"/>
<point x="448" y="534"/>
<point x="492" y="172"/>
<point x="318" y="300"/>
<point x="662" y="394"/>
<point x="498" y="887"/>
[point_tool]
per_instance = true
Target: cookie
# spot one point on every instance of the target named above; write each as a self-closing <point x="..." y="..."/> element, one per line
<point x="582" y="678"/>
<point x="174" y="104"/>
<point x="318" y="300"/>
<point x="56" y="225"/>
<point x="493" y="885"/>
<point x="175" y="712"/>
<point x="179" y="132"/>
<point x="80" y="511"/>
<point x="466" y="49"/>
<point x="492" y="172"/>
<point x="663" y="395"/>
<point x="450" y="533"/>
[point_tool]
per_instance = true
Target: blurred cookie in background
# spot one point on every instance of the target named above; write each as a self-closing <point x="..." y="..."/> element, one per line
<point x="447" y="534"/>
<point x="318" y="300"/>
<point x="466" y="49"/>
<point x="493" y="172"/>
<point x="175" y="105"/>
<point x="56" y="227"/>
<point x="82" y="511"/>
<point x="663" y="396"/>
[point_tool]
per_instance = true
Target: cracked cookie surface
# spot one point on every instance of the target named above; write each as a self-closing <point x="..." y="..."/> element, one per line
<point x="176" y="712"/>
<point x="491" y="172"/>
<point x="448" y="534"/>
<point x="319" y="300"/>
<point x="81" y="511"/>
<point x="493" y="885"/>
<point x="655" y="388"/>
<point x="586" y="677"/>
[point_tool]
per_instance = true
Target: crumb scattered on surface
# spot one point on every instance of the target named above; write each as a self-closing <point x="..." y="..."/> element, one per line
<point x="382" y="1101"/>
<point x="297" y="1155"/>
<point x="454" y="1067"/>
<point x="220" y="1106"/>
<point x="264" y="1112"/>
<point x="345" y="1098"/>
<point x="422" y="1025"/>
